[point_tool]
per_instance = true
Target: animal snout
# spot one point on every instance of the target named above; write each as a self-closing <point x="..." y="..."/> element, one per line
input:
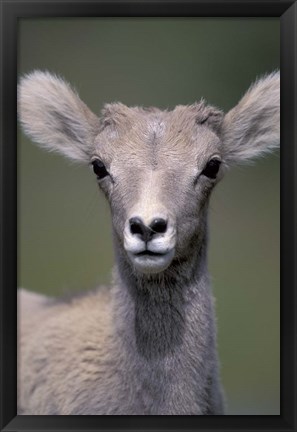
<point x="150" y="241"/>
<point x="147" y="232"/>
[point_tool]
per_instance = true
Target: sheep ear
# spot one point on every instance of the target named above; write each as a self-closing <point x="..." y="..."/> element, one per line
<point x="252" y="127"/>
<point x="53" y="115"/>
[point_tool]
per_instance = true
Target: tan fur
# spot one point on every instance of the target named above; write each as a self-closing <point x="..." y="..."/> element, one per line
<point x="147" y="344"/>
<point x="253" y="126"/>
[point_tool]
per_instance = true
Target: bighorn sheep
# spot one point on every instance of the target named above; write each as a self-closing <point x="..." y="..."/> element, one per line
<point x="146" y="345"/>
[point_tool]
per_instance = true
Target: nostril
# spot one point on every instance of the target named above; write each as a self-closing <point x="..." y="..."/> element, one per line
<point x="136" y="226"/>
<point x="159" y="225"/>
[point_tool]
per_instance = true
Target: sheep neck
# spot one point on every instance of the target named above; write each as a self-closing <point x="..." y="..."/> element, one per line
<point x="157" y="314"/>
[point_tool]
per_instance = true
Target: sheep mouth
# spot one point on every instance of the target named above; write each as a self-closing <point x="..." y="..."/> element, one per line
<point x="149" y="253"/>
<point x="151" y="262"/>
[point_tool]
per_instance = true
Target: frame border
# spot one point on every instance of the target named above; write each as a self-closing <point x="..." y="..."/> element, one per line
<point x="10" y="12"/>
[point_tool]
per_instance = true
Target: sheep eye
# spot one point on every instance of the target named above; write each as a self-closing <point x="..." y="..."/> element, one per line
<point x="212" y="168"/>
<point x="99" y="169"/>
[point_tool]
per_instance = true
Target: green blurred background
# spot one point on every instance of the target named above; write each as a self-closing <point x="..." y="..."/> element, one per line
<point x="64" y="226"/>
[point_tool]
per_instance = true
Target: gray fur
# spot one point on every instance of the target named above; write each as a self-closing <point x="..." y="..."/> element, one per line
<point x="147" y="344"/>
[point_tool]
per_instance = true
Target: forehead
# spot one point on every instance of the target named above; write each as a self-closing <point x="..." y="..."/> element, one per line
<point x="155" y="137"/>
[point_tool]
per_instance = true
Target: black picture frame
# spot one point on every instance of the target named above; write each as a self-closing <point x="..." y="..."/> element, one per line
<point x="11" y="11"/>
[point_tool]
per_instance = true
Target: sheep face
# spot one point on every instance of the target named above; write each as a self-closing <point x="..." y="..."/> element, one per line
<point x="157" y="170"/>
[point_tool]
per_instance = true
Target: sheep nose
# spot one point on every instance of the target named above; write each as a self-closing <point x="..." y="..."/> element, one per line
<point x="157" y="226"/>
